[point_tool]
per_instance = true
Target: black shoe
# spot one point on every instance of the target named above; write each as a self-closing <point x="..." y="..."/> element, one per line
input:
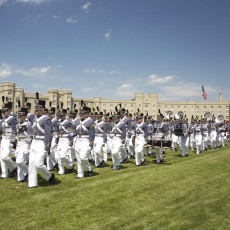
<point x="143" y="162"/>
<point x="26" y="178"/>
<point x="117" y="168"/>
<point x="14" y="172"/>
<point x="21" y="181"/>
<point x="56" y="167"/>
<point x="102" y="163"/>
<point x="52" y="179"/>
<point x="90" y="173"/>
<point x="124" y="160"/>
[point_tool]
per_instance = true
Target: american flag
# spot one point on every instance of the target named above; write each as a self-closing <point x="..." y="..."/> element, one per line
<point x="204" y="94"/>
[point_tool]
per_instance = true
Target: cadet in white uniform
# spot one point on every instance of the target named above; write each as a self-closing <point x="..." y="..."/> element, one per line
<point x="83" y="142"/>
<point x="24" y="134"/>
<point x="9" y="132"/>
<point x="40" y="146"/>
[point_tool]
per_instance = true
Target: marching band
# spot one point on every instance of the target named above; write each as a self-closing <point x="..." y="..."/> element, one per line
<point x="58" y="140"/>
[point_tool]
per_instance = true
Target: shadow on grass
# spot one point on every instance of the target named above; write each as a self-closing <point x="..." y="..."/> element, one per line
<point x="161" y="163"/>
<point x="43" y="183"/>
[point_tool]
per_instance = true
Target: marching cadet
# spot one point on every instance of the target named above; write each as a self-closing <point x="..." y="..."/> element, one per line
<point x="206" y="134"/>
<point x="51" y="159"/>
<point x="131" y="138"/>
<point x="83" y="142"/>
<point x="65" y="143"/>
<point x="184" y="138"/>
<point x="30" y="116"/>
<point x="150" y="125"/>
<point x="118" y="136"/>
<point x="213" y="135"/>
<point x="40" y="146"/>
<point x="127" y="121"/>
<point x="198" y="134"/>
<point x="74" y="118"/>
<point x="0" y="133"/>
<point x="191" y="128"/>
<point x="160" y="131"/>
<point x="141" y="134"/>
<point x="9" y="132"/>
<point x="24" y="134"/>
<point x="100" y="139"/>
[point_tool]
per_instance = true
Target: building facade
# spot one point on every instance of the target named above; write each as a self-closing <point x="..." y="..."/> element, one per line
<point x="145" y="103"/>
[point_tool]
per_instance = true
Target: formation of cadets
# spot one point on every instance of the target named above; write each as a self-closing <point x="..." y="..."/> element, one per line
<point x="58" y="140"/>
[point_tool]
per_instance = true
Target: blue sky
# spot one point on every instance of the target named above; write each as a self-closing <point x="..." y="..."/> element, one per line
<point x="114" y="48"/>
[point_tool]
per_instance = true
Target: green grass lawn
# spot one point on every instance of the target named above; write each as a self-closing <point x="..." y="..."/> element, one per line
<point x="181" y="193"/>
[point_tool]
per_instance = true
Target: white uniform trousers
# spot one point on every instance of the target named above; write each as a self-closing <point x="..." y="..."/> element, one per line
<point x="97" y="150"/>
<point x="51" y="158"/>
<point x="105" y="151"/>
<point x="174" y="142"/>
<point x="131" y="146"/>
<point x="192" y="142"/>
<point x="6" y="162"/>
<point x="198" y="138"/>
<point x="109" y="143"/>
<point x="22" y="158"/>
<point x="139" y="148"/>
<point x="221" y="139"/>
<point x="63" y="150"/>
<point x="82" y="150"/>
<point x="159" y="154"/>
<point x="213" y="136"/>
<point x="116" y="148"/>
<point x="36" y="163"/>
<point x="205" y="140"/>
<point x="184" y="145"/>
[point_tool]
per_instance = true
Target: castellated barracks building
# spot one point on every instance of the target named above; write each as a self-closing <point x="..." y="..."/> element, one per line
<point x="146" y="103"/>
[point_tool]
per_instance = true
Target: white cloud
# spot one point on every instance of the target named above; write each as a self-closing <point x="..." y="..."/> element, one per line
<point x="160" y="80"/>
<point x="71" y="20"/>
<point x="126" y="90"/>
<point x="5" y="70"/>
<point x="99" y="71"/>
<point x="183" y="91"/>
<point x="108" y="34"/>
<point x="87" y="89"/>
<point x="3" y="2"/>
<point x="86" y="6"/>
<point x="33" y="2"/>
<point x="34" y="72"/>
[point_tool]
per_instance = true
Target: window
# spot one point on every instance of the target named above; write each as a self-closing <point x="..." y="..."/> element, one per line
<point x="54" y="96"/>
<point x="10" y="92"/>
<point x="146" y="106"/>
<point x="68" y="103"/>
